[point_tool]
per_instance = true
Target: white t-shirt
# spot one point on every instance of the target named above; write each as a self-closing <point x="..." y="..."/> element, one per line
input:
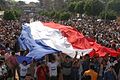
<point x="23" y="69"/>
<point x="52" y="68"/>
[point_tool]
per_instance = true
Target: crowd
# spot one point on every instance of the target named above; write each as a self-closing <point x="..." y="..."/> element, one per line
<point x="9" y="31"/>
<point x="106" y="33"/>
<point x="60" y="66"/>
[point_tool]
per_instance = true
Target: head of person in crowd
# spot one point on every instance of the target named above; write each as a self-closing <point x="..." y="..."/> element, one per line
<point x="67" y="58"/>
<point x="13" y="53"/>
<point x="24" y="63"/>
<point x="87" y="57"/>
<point x="91" y="67"/>
<point x="42" y="63"/>
<point x="52" y="58"/>
<point x="2" y="52"/>
<point x="104" y="62"/>
<point x="110" y="68"/>
<point x="28" y="77"/>
<point x="112" y="59"/>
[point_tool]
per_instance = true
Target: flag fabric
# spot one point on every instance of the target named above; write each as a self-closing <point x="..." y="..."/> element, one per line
<point x="79" y="41"/>
<point x="47" y="38"/>
<point x="36" y="51"/>
<point x="42" y="40"/>
<point x="20" y="59"/>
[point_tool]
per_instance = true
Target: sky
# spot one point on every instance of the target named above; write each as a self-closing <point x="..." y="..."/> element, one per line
<point x="27" y="1"/>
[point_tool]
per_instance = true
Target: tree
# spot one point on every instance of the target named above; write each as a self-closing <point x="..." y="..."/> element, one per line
<point x="17" y="12"/>
<point x="79" y="8"/>
<point x="114" y="5"/>
<point x="44" y="13"/>
<point x="93" y="7"/>
<point x="52" y="14"/>
<point x="109" y="15"/>
<point x="9" y="15"/>
<point x="65" y="16"/>
<point x="71" y="7"/>
<point x="12" y="14"/>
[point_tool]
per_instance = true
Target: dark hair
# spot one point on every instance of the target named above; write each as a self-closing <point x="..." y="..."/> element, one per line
<point x="13" y="53"/>
<point x="28" y="75"/>
<point x="91" y="67"/>
<point x="86" y="77"/>
<point x="25" y="62"/>
<point x="87" y="55"/>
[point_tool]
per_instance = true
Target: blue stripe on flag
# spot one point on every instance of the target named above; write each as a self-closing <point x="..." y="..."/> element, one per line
<point x="37" y="48"/>
<point x="20" y="59"/>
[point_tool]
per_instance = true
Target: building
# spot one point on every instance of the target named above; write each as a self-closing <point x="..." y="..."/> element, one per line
<point x="51" y="4"/>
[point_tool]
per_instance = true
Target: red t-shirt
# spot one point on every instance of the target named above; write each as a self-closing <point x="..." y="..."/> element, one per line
<point x="41" y="73"/>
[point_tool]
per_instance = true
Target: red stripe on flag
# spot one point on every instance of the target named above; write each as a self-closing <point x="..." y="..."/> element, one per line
<point x="79" y="41"/>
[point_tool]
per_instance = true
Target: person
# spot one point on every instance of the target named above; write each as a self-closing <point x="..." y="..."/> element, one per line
<point x="91" y="73"/>
<point x="75" y="70"/>
<point x="66" y="65"/>
<point x="28" y="77"/>
<point x="12" y="63"/>
<point x="23" y="69"/>
<point x="42" y="71"/>
<point x="110" y="74"/>
<point x="118" y="75"/>
<point x="53" y="67"/>
<point x="102" y="69"/>
<point x="86" y="63"/>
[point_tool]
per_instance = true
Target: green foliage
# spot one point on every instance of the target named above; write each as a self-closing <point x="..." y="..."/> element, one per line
<point x="114" y="5"/>
<point x="52" y="14"/>
<point x="108" y="15"/>
<point x="57" y="15"/>
<point x="12" y="14"/>
<point x="71" y="6"/>
<point x="65" y="16"/>
<point x="79" y="8"/>
<point x="93" y="7"/>
<point x="17" y="12"/>
<point x="9" y="15"/>
<point x="44" y="13"/>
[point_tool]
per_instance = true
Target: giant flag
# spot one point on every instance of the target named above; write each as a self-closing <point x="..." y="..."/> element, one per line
<point x="41" y="40"/>
<point x="79" y="41"/>
<point x="47" y="38"/>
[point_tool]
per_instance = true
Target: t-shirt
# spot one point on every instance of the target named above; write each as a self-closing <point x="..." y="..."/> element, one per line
<point x="52" y="68"/>
<point x="13" y="61"/>
<point x="41" y="72"/>
<point x="66" y="68"/>
<point x="23" y="69"/>
<point x="91" y="73"/>
<point x="109" y="76"/>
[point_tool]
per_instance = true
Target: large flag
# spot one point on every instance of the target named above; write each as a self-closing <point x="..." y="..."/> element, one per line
<point x="79" y="41"/>
<point x="47" y="38"/>
<point x="42" y="40"/>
